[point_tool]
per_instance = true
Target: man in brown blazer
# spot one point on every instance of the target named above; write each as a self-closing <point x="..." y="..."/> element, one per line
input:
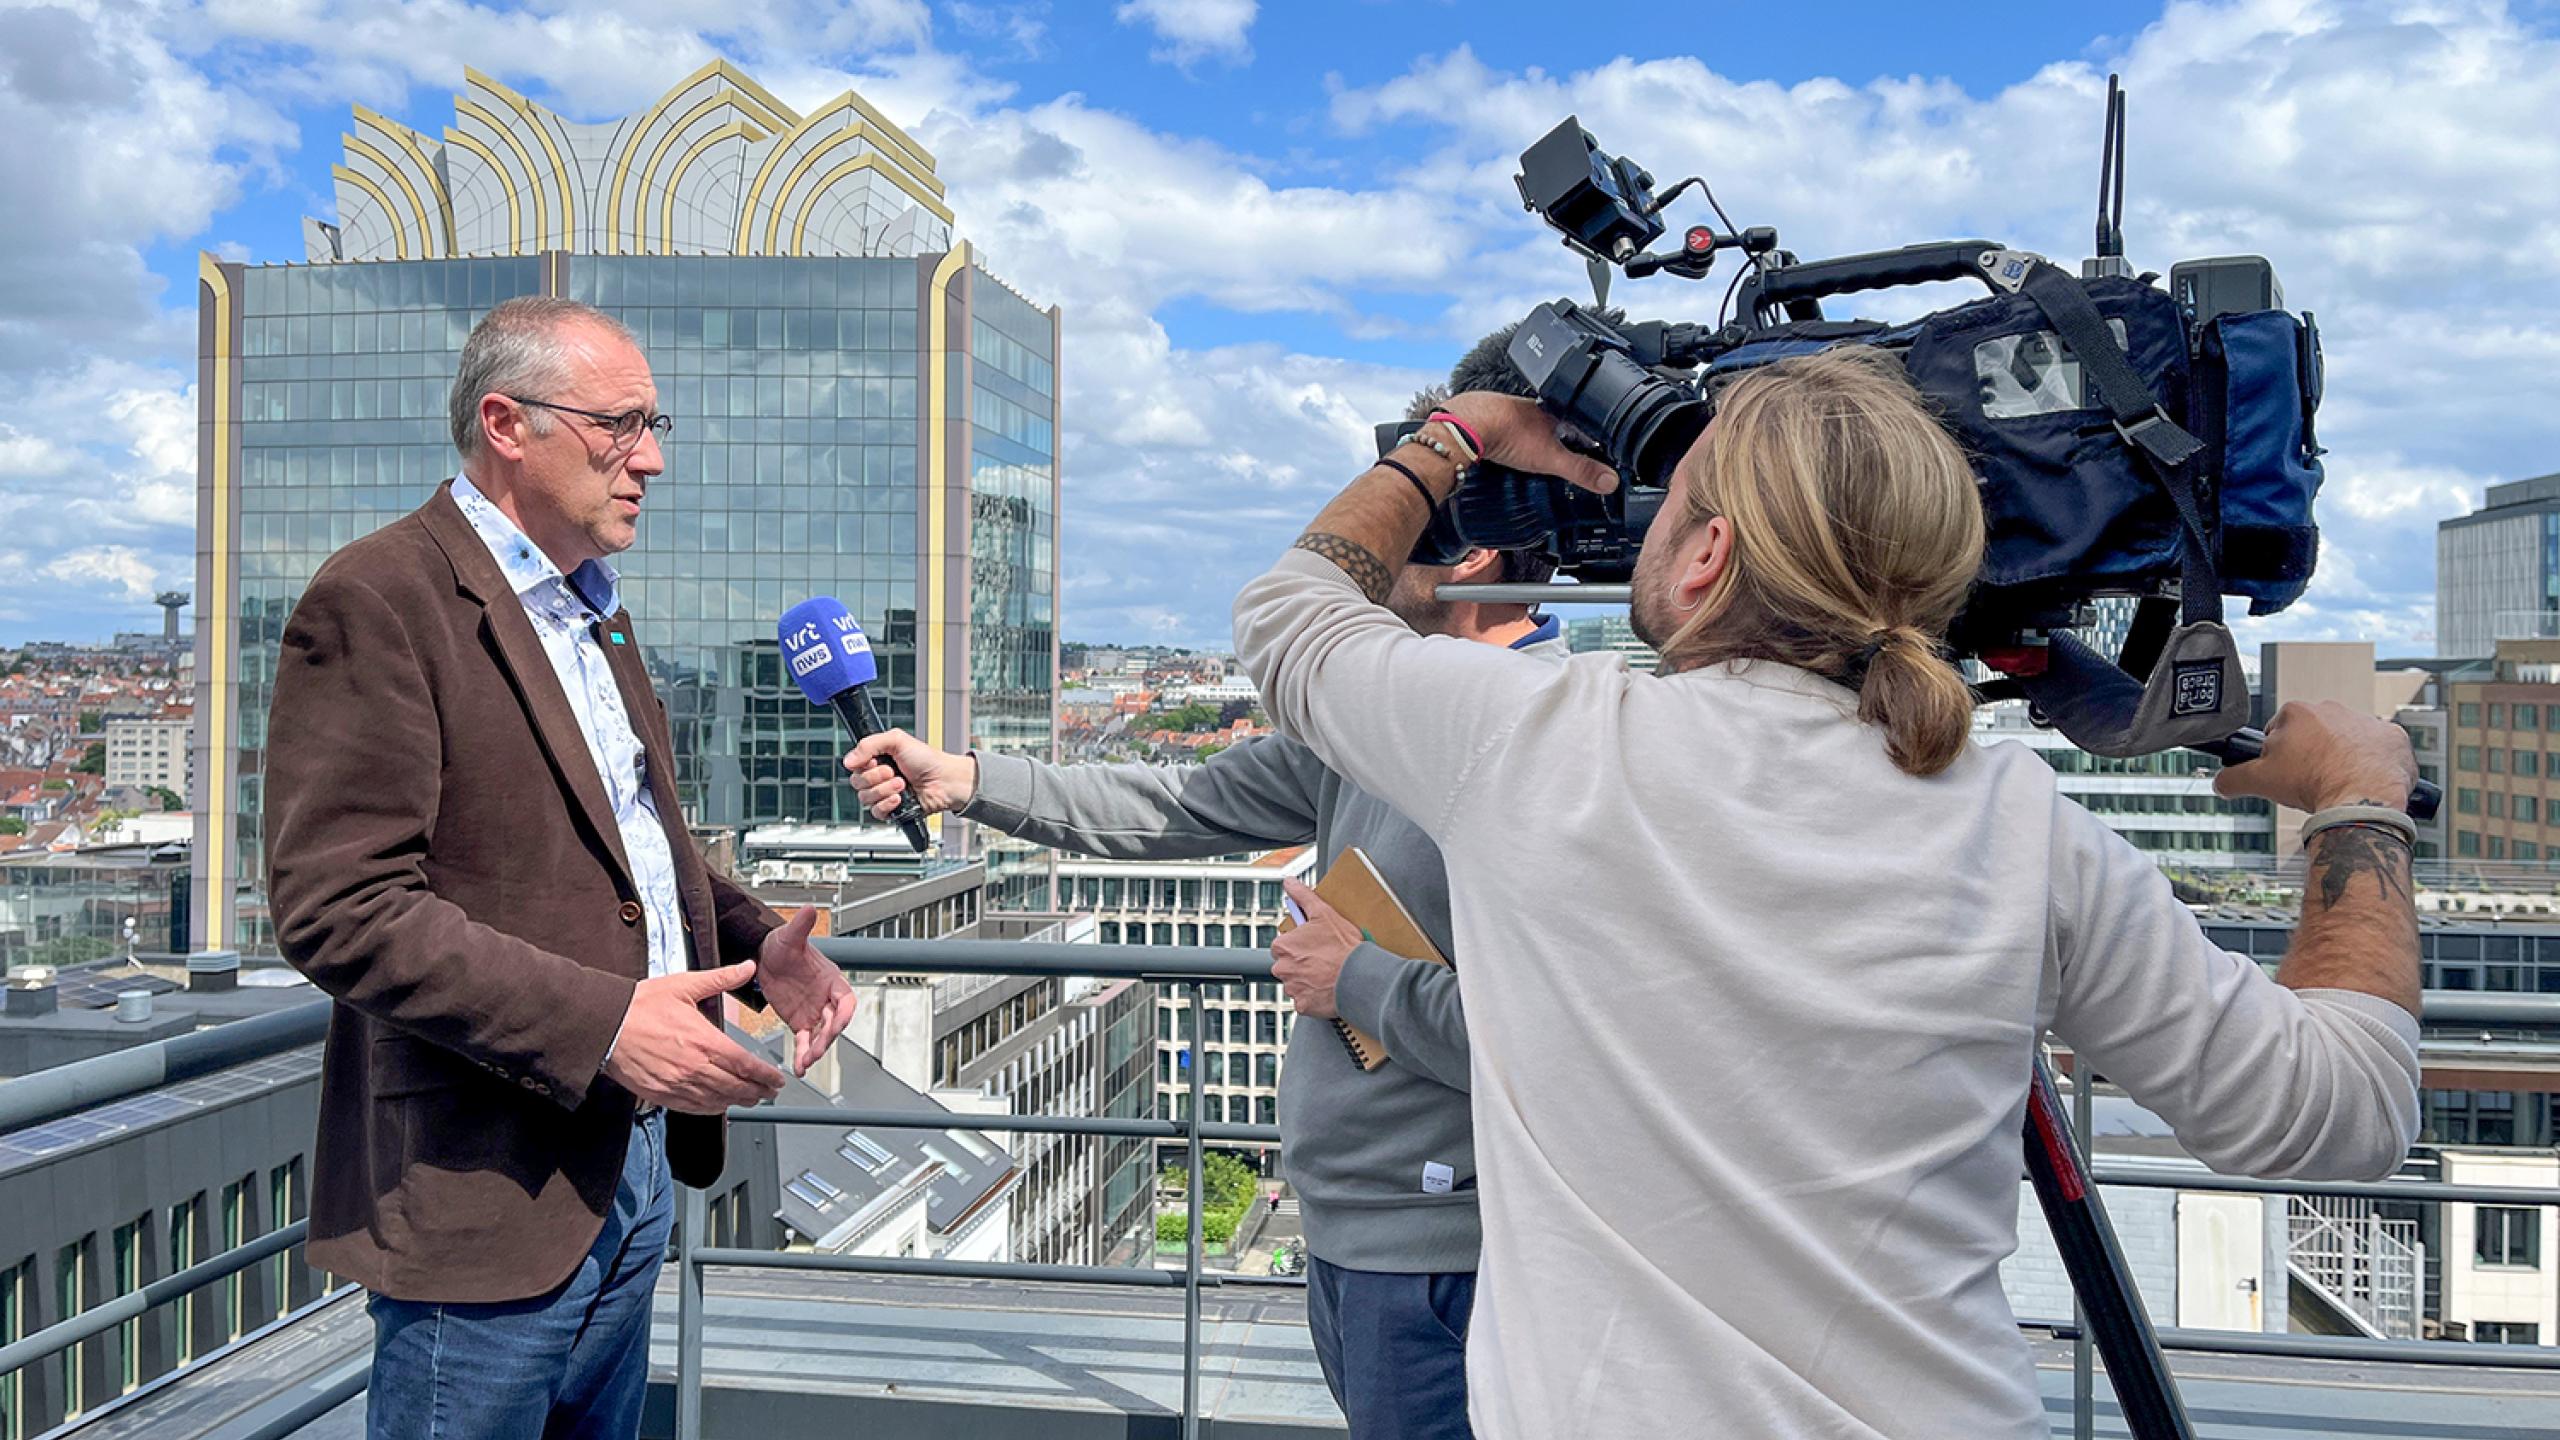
<point x="476" y="847"/>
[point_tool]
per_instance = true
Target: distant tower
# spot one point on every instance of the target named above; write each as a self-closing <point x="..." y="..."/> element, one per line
<point x="172" y="601"/>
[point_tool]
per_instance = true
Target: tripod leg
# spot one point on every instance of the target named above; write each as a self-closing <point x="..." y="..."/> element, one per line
<point x="2116" y="1320"/>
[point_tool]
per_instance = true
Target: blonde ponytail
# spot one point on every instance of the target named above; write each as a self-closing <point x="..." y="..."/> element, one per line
<point x="1919" y="700"/>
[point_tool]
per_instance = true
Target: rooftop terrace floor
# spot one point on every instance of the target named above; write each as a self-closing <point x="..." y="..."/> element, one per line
<point x="789" y="1355"/>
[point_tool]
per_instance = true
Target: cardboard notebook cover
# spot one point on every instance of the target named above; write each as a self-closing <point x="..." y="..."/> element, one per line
<point x="1351" y="885"/>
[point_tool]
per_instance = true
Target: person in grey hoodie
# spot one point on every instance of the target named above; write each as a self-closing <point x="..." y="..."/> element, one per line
<point x="1383" y="1161"/>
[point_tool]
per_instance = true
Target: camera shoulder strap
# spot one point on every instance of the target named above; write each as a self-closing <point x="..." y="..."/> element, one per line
<point x="2162" y="444"/>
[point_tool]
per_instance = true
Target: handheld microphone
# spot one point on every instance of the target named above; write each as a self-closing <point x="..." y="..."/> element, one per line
<point x="830" y="659"/>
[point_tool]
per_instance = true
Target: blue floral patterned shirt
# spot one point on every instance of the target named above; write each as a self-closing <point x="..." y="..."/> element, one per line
<point x="566" y="611"/>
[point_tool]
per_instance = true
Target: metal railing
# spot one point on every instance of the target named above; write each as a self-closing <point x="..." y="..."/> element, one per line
<point x="48" y="1094"/>
<point x="2367" y="1264"/>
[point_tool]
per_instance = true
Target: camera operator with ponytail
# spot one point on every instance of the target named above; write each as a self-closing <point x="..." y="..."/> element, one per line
<point x="1751" y="1054"/>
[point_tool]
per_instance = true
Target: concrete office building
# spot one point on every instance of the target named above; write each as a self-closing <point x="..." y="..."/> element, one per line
<point x="1605" y="633"/>
<point x="2498" y="570"/>
<point x="1232" y="901"/>
<point x="151" y="753"/>
<point x="2501" y="814"/>
<point x="2163" y="804"/>
<point x="861" y="410"/>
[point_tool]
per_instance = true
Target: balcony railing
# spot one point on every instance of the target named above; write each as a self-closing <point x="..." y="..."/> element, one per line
<point x="48" y="1094"/>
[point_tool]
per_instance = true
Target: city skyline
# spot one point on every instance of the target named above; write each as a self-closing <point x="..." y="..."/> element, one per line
<point x="1292" y="266"/>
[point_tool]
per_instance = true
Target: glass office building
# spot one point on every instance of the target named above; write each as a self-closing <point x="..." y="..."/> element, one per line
<point x="861" y="410"/>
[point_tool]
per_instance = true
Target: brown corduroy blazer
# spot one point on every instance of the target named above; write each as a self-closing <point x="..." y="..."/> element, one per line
<point x="443" y="861"/>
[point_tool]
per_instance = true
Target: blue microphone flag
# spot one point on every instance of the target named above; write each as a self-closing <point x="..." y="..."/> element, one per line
<point x="825" y="651"/>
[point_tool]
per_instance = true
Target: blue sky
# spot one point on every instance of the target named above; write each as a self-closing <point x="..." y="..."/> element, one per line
<point x="1269" y="223"/>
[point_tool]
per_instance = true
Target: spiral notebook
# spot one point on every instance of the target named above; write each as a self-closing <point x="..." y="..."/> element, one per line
<point x="1352" y="886"/>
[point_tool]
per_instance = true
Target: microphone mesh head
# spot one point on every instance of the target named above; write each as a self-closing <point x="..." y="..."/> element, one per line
<point x="825" y="652"/>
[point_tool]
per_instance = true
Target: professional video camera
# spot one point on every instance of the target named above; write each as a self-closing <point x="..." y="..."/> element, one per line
<point x="2130" y="441"/>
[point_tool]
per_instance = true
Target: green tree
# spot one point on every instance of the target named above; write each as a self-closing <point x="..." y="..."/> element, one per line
<point x="1191" y="719"/>
<point x="92" y="722"/>
<point x="12" y="825"/>
<point x="167" y="797"/>
<point x="93" y="761"/>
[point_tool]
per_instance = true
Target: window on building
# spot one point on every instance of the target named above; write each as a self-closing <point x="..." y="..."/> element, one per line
<point x="2467" y="713"/>
<point x="1266" y="1111"/>
<point x="2466" y="801"/>
<point x="2506" y="1332"/>
<point x="127" y="1279"/>
<point x="2497" y="846"/>
<point x="2497" y="805"/>
<point x="2507" y="1235"/>
<point x="183" y="1218"/>
<point x="1266" y="1070"/>
<point x="2497" y="717"/>
<point x="2466" y="757"/>
<point x="1213" y="1108"/>
<point x="284" y="1198"/>
<point x="71" y="1297"/>
<point x="2466" y="844"/>
<point x="2497" y="762"/>
<point x="2528" y="717"/>
<point x="2527" y="808"/>
<point x="17" y="1304"/>
<point x="2527" y="762"/>
<point x="1217" y="1073"/>
<point x="2527" y="850"/>
<point x="235" y="1233"/>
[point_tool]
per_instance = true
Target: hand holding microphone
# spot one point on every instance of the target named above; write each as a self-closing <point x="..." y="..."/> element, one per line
<point x="894" y="768"/>
<point x="830" y="659"/>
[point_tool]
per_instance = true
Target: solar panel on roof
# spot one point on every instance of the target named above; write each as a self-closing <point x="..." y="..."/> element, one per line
<point x="143" y="1109"/>
<point x="99" y="992"/>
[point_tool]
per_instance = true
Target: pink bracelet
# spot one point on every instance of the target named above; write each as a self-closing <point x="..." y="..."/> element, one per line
<point x="1474" y="442"/>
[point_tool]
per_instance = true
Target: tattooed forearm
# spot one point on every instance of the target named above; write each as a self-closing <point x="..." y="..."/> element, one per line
<point x="1366" y="570"/>
<point x="2348" y="851"/>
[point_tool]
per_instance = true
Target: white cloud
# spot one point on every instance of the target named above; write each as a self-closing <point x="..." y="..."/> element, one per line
<point x="25" y="456"/>
<point x="114" y="565"/>
<point x="1193" y="30"/>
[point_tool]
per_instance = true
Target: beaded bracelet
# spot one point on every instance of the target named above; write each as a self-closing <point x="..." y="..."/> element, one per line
<point x="1461" y="468"/>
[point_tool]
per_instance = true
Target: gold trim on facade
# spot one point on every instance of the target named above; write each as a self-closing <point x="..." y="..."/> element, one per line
<point x="215" y="621"/>
<point x="390" y="216"/>
<point x="615" y="188"/>
<point x="937" y="486"/>
<point x="516" y="237"/>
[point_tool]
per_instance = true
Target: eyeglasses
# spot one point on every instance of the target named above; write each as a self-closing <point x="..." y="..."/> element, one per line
<point x="624" y="429"/>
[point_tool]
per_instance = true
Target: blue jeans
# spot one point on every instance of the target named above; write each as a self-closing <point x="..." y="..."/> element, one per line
<point x="570" y="1365"/>
<point x="1393" y="1348"/>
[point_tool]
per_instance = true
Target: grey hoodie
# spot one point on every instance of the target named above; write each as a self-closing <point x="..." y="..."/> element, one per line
<point x="1354" y="1143"/>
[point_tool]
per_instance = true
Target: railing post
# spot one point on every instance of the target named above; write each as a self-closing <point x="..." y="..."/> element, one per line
<point x="1191" y="1252"/>
<point x="692" y="1216"/>
<point x="2084" y="1390"/>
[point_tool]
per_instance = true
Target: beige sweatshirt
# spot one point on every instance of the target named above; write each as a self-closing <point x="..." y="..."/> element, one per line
<point x="1752" y="1014"/>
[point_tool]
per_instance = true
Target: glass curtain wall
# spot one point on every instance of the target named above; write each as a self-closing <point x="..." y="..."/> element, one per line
<point x="791" y="473"/>
<point x="344" y="371"/>
<point x="1012" y="579"/>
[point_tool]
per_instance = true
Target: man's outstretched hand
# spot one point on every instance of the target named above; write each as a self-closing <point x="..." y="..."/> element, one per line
<point x="805" y="989"/>
<point x="668" y="1054"/>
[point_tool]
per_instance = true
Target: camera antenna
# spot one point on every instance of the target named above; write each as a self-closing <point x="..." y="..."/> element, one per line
<point x="2109" y="257"/>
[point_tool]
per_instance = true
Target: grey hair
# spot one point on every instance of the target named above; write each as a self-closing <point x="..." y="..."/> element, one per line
<point x="519" y="348"/>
